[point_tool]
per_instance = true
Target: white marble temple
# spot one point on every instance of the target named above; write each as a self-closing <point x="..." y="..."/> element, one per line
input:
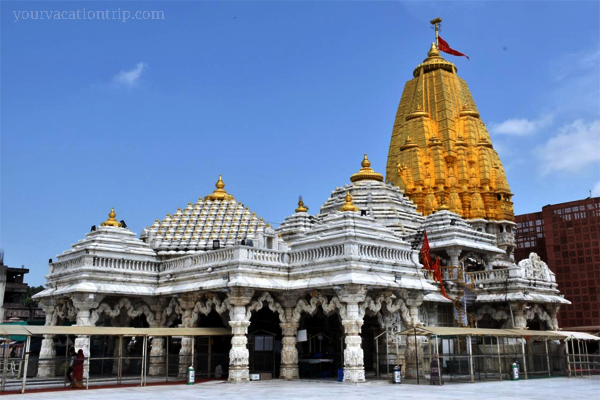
<point x="341" y="262"/>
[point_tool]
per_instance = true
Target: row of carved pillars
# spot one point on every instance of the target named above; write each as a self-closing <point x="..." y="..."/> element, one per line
<point x="349" y="302"/>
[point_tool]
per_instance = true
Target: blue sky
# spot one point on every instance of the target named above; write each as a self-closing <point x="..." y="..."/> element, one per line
<point x="282" y="98"/>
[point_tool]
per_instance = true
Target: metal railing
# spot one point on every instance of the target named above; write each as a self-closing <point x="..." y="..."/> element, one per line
<point x="112" y="362"/>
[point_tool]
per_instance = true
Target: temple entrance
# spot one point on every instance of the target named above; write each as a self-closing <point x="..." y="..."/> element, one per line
<point x="374" y="347"/>
<point x="212" y="353"/>
<point x="321" y="355"/>
<point x="104" y="350"/>
<point x="264" y="343"/>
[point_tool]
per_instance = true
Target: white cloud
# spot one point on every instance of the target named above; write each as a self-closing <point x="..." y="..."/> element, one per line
<point x="131" y="78"/>
<point x="576" y="146"/>
<point x="521" y="126"/>
<point x="596" y="189"/>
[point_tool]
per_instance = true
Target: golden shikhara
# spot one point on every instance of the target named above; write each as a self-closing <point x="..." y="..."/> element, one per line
<point x="441" y="154"/>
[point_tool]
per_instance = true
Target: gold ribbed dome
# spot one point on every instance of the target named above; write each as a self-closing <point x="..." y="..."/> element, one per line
<point x="366" y="173"/>
<point x="441" y="152"/>
<point x="301" y="206"/>
<point x="348" y="206"/>
<point x="111" y="221"/>
<point x="219" y="193"/>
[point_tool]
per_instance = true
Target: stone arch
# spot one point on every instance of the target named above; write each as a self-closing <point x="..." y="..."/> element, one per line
<point x="390" y="305"/>
<point x="124" y="303"/>
<point x="171" y="313"/>
<point x="496" y="315"/>
<point x="543" y="316"/>
<point x="271" y="303"/>
<point x="310" y="307"/>
<point x="190" y="316"/>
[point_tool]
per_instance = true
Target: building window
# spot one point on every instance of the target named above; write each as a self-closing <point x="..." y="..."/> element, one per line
<point x="445" y="315"/>
<point x="263" y="343"/>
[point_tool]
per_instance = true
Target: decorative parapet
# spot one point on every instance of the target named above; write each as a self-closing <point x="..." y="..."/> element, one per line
<point x="490" y="275"/>
<point x="509" y="278"/>
<point x="380" y="252"/>
<point x="230" y="255"/>
<point x="69" y="265"/>
<point x="316" y="253"/>
<point x="105" y="262"/>
<point x="60" y="266"/>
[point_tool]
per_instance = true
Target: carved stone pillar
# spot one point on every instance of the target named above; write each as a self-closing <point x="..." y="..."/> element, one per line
<point x="187" y="303"/>
<point x="414" y="351"/>
<point x="239" y="357"/>
<point x="46" y="364"/>
<point x="289" y="353"/>
<point x="454" y="254"/>
<point x="518" y="310"/>
<point x="352" y="320"/>
<point x="157" y="351"/>
<point x="410" y="358"/>
<point x="553" y="313"/>
<point x="84" y="303"/>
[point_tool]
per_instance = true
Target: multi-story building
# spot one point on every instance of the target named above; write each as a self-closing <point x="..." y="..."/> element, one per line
<point x="12" y="290"/>
<point x="565" y="236"/>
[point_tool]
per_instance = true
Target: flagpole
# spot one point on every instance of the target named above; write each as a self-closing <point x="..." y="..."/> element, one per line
<point x="436" y="23"/>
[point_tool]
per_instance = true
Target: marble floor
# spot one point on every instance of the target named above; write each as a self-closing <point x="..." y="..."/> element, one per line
<point x="543" y="389"/>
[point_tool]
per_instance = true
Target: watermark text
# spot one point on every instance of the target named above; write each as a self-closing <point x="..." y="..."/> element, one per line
<point x="122" y="15"/>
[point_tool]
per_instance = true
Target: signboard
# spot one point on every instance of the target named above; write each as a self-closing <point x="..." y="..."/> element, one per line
<point x="302" y="337"/>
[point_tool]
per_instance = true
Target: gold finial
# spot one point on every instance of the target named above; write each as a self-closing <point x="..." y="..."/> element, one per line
<point x="366" y="172"/>
<point x="301" y="206"/>
<point x="433" y="51"/>
<point x="219" y="193"/>
<point x="349" y="206"/>
<point x="111" y="221"/>
<point x="365" y="162"/>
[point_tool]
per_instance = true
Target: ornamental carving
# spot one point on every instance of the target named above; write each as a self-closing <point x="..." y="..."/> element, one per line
<point x="190" y="316"/>
<point x="124" y="303"/>
<point x="328" y="306"/>
<point x="64" y="310"/>
<point x="542" y="315"/>
<point x="535" y="268"/>
<point x="497" y="315"/>
<point x="392" y="306"/>
<point x="271" y="303"/>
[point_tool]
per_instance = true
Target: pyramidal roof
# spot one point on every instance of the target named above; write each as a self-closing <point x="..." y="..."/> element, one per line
<point x="217" y="216"/>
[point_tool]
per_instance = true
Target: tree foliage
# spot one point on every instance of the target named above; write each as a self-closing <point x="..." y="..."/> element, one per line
<point x="26" y="299"/>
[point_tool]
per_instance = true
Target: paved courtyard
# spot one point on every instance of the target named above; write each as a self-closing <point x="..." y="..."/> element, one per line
<point x="544" y="389"/>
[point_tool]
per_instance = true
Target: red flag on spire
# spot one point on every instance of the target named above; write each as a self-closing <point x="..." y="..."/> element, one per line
<point x="445" y="47"/>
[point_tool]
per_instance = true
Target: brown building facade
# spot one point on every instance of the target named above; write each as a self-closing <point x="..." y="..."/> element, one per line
<point x="565" y="236"/>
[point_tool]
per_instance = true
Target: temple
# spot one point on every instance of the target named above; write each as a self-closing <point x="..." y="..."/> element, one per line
<point x="344" y="274"/>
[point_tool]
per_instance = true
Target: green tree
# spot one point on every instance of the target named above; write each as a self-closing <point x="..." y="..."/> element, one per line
<point x="26" y="299"/>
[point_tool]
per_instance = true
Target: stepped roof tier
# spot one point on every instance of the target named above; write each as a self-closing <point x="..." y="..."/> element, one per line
<point x="296" y="224"/>
<point x="217" y="216"/>
<point x="441" y="152"/>
<point x="382" y="201"/>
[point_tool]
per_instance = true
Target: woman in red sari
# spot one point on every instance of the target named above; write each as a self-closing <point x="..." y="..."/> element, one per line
<point x="78" y="370"/>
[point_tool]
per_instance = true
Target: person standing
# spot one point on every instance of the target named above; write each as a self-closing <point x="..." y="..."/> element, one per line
<point x="72" y="356"/>
<point x="78" y="370"/>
